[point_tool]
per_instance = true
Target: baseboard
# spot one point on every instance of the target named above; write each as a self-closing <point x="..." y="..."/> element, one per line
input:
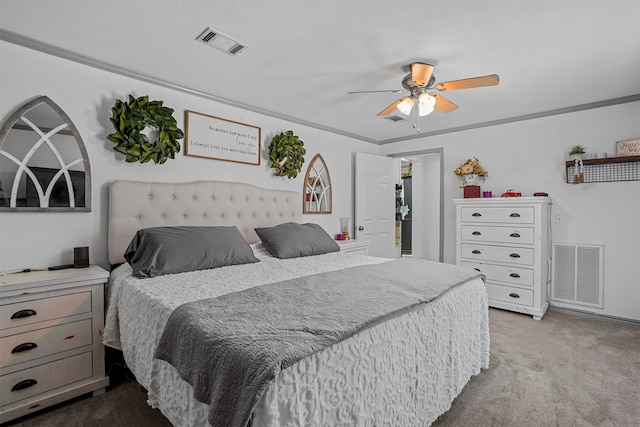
<point x="589" y="314"/>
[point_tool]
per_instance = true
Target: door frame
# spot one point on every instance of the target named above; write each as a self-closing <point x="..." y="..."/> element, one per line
<point x="440" y="152"/>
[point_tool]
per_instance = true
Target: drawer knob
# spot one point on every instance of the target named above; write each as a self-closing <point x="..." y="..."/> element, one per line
<point x="514" y="275"/>
<point x="476" y="251"/>
<point x="514" y="235"/>
<point x="23" y="313"/>
<point x="514" y="295"/>
<point x="515" y="215"/>
<point x="24" y="384"/>
<point x="514" y="255"/>
<point x="476" y="214"/>
<point x="477" y="233"/>
<point x="24" y="347"/>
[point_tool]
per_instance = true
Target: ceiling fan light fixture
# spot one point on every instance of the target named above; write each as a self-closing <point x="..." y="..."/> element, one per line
<point x="405" y="106"/>
<point x="426" y="104"/>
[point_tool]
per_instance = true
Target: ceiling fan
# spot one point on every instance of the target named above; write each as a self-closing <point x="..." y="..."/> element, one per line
<point x="419" y="82"/>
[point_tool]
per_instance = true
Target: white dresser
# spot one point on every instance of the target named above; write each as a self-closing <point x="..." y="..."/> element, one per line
<point x="51" y="349"/>
<point x="507" y="239"/>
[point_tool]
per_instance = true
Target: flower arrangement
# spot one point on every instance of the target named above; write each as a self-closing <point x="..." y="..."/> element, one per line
<point x="471" y="166"/>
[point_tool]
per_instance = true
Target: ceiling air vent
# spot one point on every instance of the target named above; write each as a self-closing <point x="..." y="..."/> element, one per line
<point x="221" y="41"/>
<point x="396" y="118"/>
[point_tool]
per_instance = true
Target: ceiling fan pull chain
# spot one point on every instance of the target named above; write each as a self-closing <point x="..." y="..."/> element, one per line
<point x="416" y="118"/>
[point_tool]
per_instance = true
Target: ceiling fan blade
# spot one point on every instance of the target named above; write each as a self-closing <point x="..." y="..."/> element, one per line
<point x="391" y="107"/>
<point x="421" y="73"/>
<point x="490" y="80"/>
<point x="376" y="91"/>
<point x="444" y="105"/>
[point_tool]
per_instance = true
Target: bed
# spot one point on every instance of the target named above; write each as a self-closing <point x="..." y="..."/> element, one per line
<point x="406" y="370"/>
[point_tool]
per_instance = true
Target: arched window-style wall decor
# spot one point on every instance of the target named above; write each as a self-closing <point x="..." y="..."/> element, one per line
<point x="43" y="161"/>
<point x="317" y="188"/>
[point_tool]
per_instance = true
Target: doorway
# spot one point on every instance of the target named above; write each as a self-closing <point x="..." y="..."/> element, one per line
<point x="422" y="236"/>
<point x="404" y="209"/>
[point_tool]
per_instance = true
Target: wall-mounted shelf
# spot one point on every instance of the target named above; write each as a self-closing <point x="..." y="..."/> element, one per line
<point x="609" y="169"/>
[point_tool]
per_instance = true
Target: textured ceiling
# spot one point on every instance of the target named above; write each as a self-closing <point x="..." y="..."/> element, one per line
<point x="304" y="56"/>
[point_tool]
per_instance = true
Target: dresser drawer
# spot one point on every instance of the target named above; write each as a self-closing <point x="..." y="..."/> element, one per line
<point x="39" y="310"/>
<point x="506" y="254"/>
<point x="40" y="379"/>
<point x="515" y="275"/>
<point x="511" y="215"/>
<point x="509" y="294"/>
<point x="43" y="342"/>
<point x="485" y="233"/>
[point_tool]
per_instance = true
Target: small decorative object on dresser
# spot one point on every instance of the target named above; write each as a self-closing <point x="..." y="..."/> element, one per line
<point x="471" y="191"/>
<point x="471" y="171"/>
<point x="355" y="246"/>
<point x="51" y="350"/>
<point x="507" y="241"/>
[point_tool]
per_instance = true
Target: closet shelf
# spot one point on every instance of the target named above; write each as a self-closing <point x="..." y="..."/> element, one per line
<point x="608" y="169"/>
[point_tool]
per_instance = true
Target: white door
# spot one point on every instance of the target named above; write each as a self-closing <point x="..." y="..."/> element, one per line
<point x="375" y="179"/>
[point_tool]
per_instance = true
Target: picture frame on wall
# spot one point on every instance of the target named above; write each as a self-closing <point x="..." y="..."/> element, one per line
<point x="630" y="147"/>
<point x="216" y="138"/>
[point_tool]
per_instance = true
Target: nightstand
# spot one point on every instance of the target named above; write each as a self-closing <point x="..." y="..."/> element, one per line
<point x="51" y="349"/>
<point x="356" y="246"/>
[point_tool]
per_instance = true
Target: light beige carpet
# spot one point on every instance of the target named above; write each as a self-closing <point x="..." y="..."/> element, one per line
<point x="564" y="370"/>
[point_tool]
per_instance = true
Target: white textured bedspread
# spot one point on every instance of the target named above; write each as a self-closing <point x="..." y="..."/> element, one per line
<point x="403" y="372"/>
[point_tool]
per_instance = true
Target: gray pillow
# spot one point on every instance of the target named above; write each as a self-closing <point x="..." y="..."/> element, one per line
<point x="165" y="250"/>
<point x="291" y="240"/>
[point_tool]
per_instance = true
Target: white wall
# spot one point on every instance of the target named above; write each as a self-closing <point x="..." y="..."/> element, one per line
<point x="39" y="240"/>
<point x="527" y="156"/>
<point x="530" y="156"/>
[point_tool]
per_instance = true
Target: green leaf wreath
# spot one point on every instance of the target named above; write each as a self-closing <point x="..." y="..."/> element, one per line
<point x="130" y="119"/>
<point x="286" y="152"/>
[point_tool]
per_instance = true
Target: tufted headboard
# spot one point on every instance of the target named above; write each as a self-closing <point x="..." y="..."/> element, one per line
<point x="136" y="205"/>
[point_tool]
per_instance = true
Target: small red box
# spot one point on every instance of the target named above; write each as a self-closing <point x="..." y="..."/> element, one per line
<point x="471" y="191"/>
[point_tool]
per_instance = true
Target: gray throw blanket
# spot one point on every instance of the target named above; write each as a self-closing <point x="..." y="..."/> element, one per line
<point x="231" y="347"/>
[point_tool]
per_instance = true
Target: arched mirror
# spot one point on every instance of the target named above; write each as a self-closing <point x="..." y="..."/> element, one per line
<point x="317" y="188"/>
<point x="43" y="162"/>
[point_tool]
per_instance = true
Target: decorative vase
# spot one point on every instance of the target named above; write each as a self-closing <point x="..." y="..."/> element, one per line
<point x="471" y="179"/>
<point x="344" y="223"/>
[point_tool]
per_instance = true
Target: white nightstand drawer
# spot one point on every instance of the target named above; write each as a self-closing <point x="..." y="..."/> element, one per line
<point x="515" y="275"/>
<point x="39" y="310"/>
<point x="506" y="254"/>
<point x="510" y="294"/>
<point x="43" y="342"/>
<point x="354" y="246"/>
<point x="39" y="379"/>
<point x="485" y="233"/>
<point x="513" y="215"/>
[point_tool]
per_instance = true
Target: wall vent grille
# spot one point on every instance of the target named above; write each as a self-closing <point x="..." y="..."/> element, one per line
<point x="220" y="41"/>
<point x="578" y="274"/>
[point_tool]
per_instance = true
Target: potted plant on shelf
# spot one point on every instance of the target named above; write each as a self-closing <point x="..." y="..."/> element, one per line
<point x="576" y="152"/>
<point x="471" y="171"/>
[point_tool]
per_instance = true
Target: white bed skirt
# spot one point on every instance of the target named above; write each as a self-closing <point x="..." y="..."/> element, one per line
<point x="404" y="372"/>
